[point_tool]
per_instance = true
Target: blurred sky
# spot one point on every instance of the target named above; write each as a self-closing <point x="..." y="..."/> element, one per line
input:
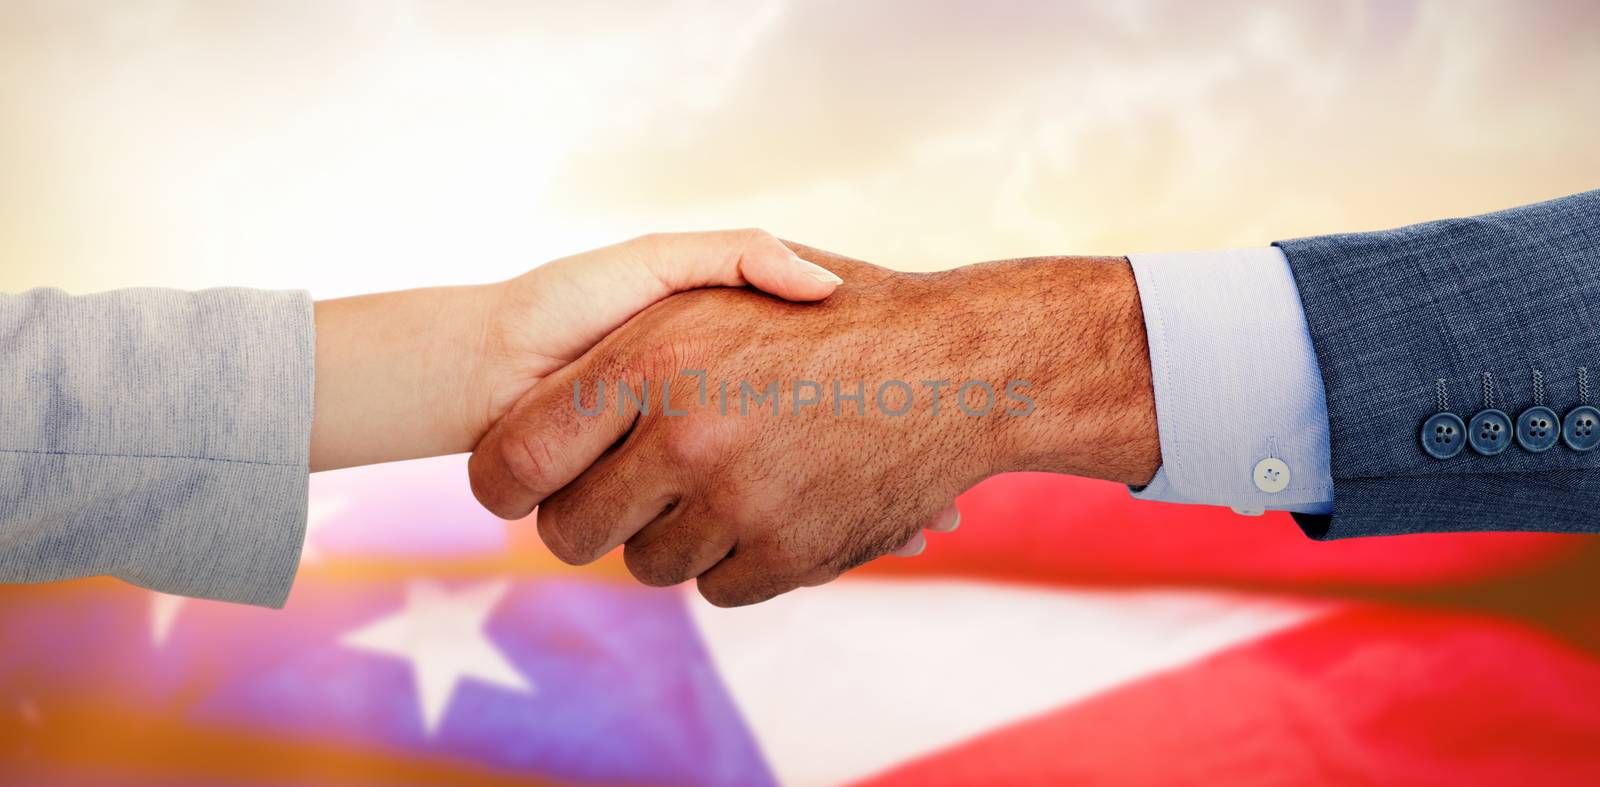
<point x="365" y="145"/>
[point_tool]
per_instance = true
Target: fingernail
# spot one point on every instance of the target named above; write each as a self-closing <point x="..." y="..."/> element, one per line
<point x="913" y="549"/>
<point x="943" y="526"/>
<point x="817" y="272"/>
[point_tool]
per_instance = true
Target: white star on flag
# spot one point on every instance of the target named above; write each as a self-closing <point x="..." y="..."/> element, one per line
<point x="441" y="632"/>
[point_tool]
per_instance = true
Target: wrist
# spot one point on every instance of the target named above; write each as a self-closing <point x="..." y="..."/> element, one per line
<point x="1066" y="333"/>
<point x="476" y="363"/>
<point x="397" y="375"/>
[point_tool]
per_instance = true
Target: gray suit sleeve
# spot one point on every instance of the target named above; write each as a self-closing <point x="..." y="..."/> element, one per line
<point x="1497" y="311"/>
<point x="157" y="436"/>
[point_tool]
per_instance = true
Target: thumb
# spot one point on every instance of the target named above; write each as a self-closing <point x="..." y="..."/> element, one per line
<point x="683" y="261"/>
<point x="592" y="293"/>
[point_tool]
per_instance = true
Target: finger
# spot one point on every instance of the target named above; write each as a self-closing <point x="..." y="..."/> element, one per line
<point x="606" y="505"/>
<point x="913" y="547"/>
<point x="677" y="547"/>
<point x="748" y="576"/>
<point x="946" y="522"/>
<point x="682" y="261"/>
<point x="545" y="441"/>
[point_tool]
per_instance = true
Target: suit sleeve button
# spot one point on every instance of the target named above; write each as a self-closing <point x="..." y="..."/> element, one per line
<point x="1538" y="429"/>
<point x="1581" y="428"/>
<point x="1443" y="435"/>
<point x="1489" y="432"/>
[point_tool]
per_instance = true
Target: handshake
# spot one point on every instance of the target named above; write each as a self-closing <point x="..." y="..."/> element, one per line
<point x="753" y="415"/>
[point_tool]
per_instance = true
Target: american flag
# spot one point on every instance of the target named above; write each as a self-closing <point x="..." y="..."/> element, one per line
<point x="1065" y="634"/>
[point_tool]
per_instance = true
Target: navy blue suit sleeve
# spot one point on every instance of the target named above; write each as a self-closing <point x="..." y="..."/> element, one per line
<point x="1504" y="309"/>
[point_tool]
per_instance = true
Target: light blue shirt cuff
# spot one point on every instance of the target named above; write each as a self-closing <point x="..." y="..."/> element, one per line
<point x="1240" y="407"/>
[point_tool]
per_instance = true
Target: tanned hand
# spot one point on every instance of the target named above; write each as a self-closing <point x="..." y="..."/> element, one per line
<point x="887" y="400"/>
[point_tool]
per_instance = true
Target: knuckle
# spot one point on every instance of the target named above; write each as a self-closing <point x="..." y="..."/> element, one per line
<point x="696" y="442"/>
<point x="661" y="361"/>
<point x="670" y="554"/>
<point x="572" y="544"/>
<point x="752" y="586"/>
<point x="753" y="236"/>
<point x="721" y="594"/>
<point x="528" y="458"/>
<point x="656" y="566"/>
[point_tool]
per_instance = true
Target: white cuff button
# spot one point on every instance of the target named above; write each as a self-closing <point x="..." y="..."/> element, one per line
<point x="1271" y="474"/>
<point x="1249" y="511"/>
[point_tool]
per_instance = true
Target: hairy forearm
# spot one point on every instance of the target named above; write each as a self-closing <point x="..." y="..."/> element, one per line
<point x="396" y="373"/>
<point x="1072" y="328"/>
